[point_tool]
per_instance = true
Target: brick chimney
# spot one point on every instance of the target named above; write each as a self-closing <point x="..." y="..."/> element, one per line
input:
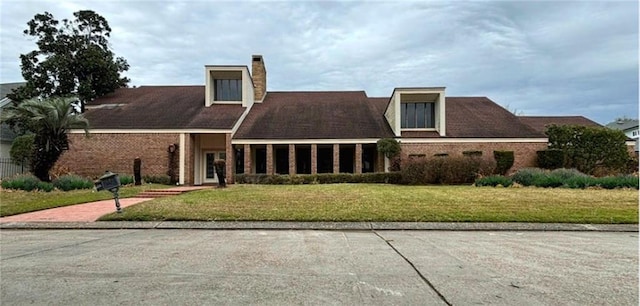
<point x="259" y="76"/>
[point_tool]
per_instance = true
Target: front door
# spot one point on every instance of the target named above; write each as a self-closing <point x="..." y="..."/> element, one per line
<point x="210" y="175"/>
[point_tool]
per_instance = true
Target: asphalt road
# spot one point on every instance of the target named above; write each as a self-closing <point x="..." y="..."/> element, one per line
<point x="197" y="267"/>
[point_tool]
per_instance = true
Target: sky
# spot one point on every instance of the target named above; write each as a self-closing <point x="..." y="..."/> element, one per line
<point x="535" y="58"/>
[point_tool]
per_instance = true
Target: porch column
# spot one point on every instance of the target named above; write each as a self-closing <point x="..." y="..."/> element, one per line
<point x="229" y="163"/>
<point x="181" y="164"/>
<point x="380" y="162"/>
<point x="247" y="159"/>
<point x="336" y="158"/>
<point x="270" y="159"/>
<point x="292" y="159"/>
<point x="314" y="159"/>
<point x="358" y="165"/>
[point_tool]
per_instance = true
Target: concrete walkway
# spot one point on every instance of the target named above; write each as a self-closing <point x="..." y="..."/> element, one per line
<point x="87" y="212"/>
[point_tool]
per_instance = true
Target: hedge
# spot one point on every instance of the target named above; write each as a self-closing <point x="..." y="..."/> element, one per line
<point x="322" y="178"/>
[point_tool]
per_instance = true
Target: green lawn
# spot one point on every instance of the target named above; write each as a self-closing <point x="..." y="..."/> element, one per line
<point x="370" y="202"/>
<point x="13" y="202"/>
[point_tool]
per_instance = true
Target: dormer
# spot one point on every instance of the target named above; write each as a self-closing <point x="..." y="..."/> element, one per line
<point x="417" y="109"/>
<point x="228" y="85"/>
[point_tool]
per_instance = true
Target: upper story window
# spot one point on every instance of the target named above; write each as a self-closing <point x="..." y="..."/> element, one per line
<point x="228" y="90"/>
<point x="418" y="115"/>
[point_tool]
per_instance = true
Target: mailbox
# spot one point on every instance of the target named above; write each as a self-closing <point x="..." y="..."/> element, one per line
<point x="110" y="181"/>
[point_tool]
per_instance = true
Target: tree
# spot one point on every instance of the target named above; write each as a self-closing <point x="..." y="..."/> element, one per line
<point x="49" y="120"/>
<point x="588" y="148"/>
<point x="22" y="149"/>
<point x="73" y="58"/>
<point x="391" y="149"/>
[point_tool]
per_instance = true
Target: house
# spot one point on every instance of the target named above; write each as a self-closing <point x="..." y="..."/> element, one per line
<point x="6" y="134"/>
<point x="234" y="117"/>
<point x="629" y="127"/>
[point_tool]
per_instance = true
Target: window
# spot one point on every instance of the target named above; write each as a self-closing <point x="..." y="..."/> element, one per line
<point x="228" y="90"/>
<point x="417" y="115"/>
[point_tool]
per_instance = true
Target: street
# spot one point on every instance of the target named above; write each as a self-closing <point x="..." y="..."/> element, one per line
<point x="283" y="267"/>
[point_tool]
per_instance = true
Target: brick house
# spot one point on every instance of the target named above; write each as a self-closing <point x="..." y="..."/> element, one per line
<point x="233" y="117"/>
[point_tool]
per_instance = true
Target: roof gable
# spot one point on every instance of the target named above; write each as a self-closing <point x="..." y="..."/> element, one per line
<point x="316" y="115"/>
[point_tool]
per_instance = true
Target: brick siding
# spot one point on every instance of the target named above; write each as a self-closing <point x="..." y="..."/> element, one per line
<point x="115" y="152"/>
<point x="524" y="153"/>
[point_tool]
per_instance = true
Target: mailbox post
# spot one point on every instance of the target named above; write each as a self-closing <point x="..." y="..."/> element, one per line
<point x="110" y="181"/>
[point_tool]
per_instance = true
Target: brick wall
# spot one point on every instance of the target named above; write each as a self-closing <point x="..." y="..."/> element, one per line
<point x="524" y="153"/>
<point x="116" y="152"/>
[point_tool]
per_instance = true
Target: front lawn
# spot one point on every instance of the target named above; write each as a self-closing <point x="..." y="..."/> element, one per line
<point x="13" y="202"/>
<point x="371" y="202"/>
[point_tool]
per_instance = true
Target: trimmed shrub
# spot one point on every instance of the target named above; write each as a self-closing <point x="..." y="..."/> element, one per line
<point x="612" y="182"/>
<point x="322" y="178"/>
<point x="156" y="179"/>
<point x="548" y="181"/>
<point x="550" y="158"/>
<point x="45" y="186"/>
<point x="504" y="161"/>
<point x="449" y="170"/>
<point x="126" y="180"/>
<point x="494" y="180"/>
<point x="566" y="174"/>
<point x="526" y="176"/>
<point x="22" y="149"/>
<point x="580" y="182"/>
<point x="26" y="182"/>
<point x="72" y="182"/>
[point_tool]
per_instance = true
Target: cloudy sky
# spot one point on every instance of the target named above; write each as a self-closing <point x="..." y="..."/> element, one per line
<point x="536" y="58"/>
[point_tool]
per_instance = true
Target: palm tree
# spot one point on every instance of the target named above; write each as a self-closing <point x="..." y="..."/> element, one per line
<point x="49" y="120"/>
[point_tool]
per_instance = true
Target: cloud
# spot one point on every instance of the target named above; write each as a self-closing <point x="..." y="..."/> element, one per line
<point x="544" y="58"/>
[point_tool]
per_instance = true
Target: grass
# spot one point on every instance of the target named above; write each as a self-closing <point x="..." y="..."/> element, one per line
<point x="370" y="202"/>
<point x="13" y="202"/>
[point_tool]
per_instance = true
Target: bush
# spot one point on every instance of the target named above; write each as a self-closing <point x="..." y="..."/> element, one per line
<point x="504" y="161"/>
<point x="45" y="186"/>
<point x="494" y="180"/>
<point x="26" y="182"/>
<point x="156" y="179"/>
<point x="126" y="180"/>
<point x="72" y="182"/>
<point x="580" y="182"/>
<point x="566" y="174"/>
<point x="322" y="178"/>
<point x="587" y="148"/>
<point x="548" y="181"/>
<point x="445" y="170"/>
<point x="612" y="182"/>
<point x="550" y="158"/>
<point x="526" y="176"/>
<point x="21" y="151"/>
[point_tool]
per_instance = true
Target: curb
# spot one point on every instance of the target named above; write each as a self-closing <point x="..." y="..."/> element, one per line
<point x="342" y="226"/>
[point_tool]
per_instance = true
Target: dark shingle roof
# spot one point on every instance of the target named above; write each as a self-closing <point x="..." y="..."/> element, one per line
<point x="539" y="123"/>
<point x="479" y="117"/>
<point x="160" y="107"/>
<point x="316" y="115"/>
<point x="6" y="88"/>
<point x="623" y="124"/>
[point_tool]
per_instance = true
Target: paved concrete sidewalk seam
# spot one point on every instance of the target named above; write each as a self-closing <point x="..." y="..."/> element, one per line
<point x="341" y="226"/>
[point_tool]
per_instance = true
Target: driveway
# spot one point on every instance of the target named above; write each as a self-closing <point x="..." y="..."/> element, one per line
<point x="131" y="267"/>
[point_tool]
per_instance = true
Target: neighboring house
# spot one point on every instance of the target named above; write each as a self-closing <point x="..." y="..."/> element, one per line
<point x="6" y="134"/>
<point x="7" y="166"/>
<point x="629" y="127"/>
<point x="233" y="117"/>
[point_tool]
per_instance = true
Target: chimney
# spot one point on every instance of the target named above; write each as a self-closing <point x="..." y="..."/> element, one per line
<point x="259" y="76"/>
